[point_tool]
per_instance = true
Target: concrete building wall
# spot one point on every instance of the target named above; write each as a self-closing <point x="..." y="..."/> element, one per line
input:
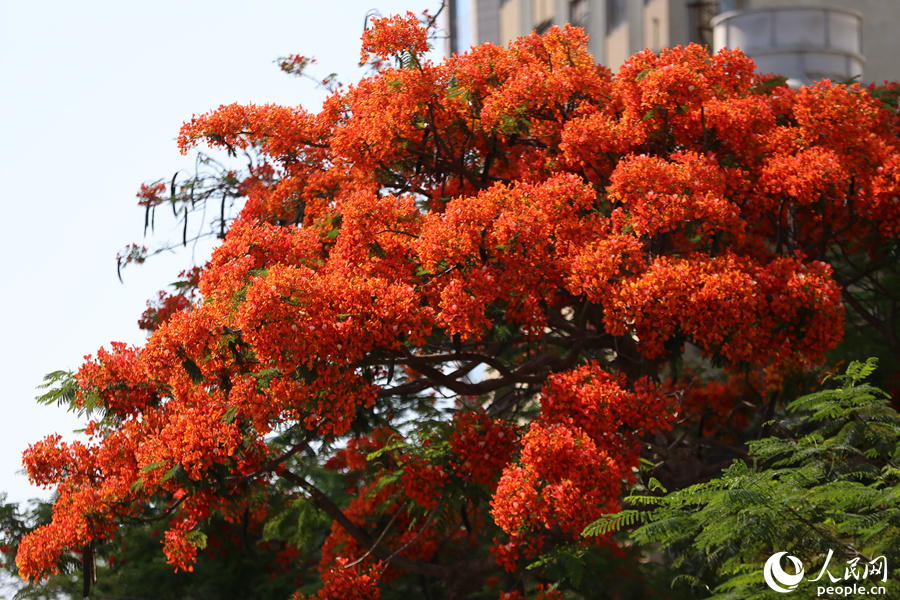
<point x="880" y="31"/>
<point x="616" y="49"/>
<point x="510" y="20"/>
<point x="657" y="24"/>
<point x="526" y="25"/>
<point x="656" y="20"/>
<point x="596" y="30"/>
<point x="542" y="11"/>
<point x="561" y="10"/>
<point x="665" y="24"/>
<point x="803" y="43"/>
<point x="485" y="21"/>
<point x="635" y="10"/>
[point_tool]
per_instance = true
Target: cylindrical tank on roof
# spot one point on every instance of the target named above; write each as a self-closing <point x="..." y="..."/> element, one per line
<point x="804" y="44"/>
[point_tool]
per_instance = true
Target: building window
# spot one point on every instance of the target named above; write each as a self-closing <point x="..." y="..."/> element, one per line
<point x="616" y="13"/>
<point x="580" y="14"/>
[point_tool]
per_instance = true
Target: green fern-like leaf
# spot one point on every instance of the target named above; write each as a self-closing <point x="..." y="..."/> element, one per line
<point x="614" y="522"/>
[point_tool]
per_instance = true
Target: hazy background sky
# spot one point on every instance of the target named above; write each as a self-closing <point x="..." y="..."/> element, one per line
<point x="92" y="94"/>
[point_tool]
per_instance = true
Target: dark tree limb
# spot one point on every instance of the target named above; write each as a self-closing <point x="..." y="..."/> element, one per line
<point x="464" y="570"/>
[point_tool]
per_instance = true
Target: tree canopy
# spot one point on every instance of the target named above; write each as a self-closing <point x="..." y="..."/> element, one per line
<point x="463" y="301"/>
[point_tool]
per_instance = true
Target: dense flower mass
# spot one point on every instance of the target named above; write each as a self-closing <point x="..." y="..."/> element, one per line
<point x="460" y="286"/>
<point x="395" y="35"/>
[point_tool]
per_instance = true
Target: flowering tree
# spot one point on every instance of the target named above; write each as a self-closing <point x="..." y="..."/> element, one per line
<point x="466" y="290"/>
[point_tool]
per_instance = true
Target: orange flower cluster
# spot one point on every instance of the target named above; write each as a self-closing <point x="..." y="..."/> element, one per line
<point x="732" y="307"/>
<point x="542" y="594"/>
<point x="567" y="480"/>
<point x="150" y="195"/>
<point x="422" y="482"/>
<point x="483" y="446"/>
<point x="346" y="582"/>
<point x="390" y="36"/>
<point x="168" y="304"/>
<point x="510" y="225"/>
<point x="579" y="451"/>
<point x="715" y="404"/>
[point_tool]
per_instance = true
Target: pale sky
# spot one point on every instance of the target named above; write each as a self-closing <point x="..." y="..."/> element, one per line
<point x="93" y="94"/>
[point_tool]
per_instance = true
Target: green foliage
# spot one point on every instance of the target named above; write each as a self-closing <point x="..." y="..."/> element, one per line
<point x="63" y="390"/>
<point x="298" y="523"/>
<point x="603" y="572"/>
<point x="235" y="561"/>
<point x="871" y="326"/>
<point x="829" y="482"/>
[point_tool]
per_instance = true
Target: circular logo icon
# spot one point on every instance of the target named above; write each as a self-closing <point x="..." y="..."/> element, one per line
<point x="776" y="577"/>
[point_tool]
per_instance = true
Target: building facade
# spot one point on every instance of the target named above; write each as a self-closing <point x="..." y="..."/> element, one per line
<point x="804" y="39"/>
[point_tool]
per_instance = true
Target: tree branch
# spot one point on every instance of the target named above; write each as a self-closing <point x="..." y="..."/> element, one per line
<point x="462" y="570"/>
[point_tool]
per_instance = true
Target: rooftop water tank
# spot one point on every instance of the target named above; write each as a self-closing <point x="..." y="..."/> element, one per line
<point x="804" y="44"/>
